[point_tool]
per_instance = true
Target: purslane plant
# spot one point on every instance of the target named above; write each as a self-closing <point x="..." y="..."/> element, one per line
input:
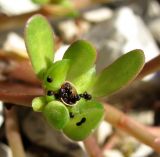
<point x="71" y="85"/>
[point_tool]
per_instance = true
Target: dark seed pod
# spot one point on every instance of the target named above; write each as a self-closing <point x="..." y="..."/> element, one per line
<point x="67" y="86"/>
<point x="71" y="102"/>
<point x="62" y="90"/>
<point x="65" y="100"/>
<point x="49" y="79"/>
<point x="65" y="95"/>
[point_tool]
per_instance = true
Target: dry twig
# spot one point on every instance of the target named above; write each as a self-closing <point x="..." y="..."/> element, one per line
<point x="127" y="124"/>
<point x="13" y="135"/>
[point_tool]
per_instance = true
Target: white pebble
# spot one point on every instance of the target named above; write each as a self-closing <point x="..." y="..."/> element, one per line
<point x="98" y="15"/>
<point x="103" y="131"/>
<point x="113" y="153"/>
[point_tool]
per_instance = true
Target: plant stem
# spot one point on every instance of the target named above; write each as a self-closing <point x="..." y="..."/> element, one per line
<point x="92" y="147"/>
<point x="12" y="132"/>
<point x="127" y="124"/>
<point x="150" y="67"/>
<point x="113" y="140"/>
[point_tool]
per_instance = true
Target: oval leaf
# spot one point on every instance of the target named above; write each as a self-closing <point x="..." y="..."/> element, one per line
<point x="85" y="80"/>
<point x="82" y="56"/>
<point x="85" y="118"/>
<point x="41" y="1"/>
<point x="118" y="74"/>
<point x="56" y="114"/>
<point x="57" y="73"/>
<point x="38" y="103"/>
<point x="39" y="43"/>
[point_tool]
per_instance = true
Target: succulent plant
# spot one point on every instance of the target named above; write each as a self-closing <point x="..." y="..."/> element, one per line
<point x="72" y="86"/>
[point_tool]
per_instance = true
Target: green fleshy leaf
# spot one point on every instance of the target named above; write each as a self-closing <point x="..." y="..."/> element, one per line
<point x="41" y="1"/>
<point x="66" y="3"/>
<point x="56" y="114"/>
<point x="39" y="43"/>
<point x="38" y="103"/>
<point x="82" y="56"/>
<point x="118" y="74"/>
<point x="49" y="98"/>
<point x="89" y="111"/>
<point x="56" y="1"/>
<point x="85" y="80"/>
<point x="57" y="72"/>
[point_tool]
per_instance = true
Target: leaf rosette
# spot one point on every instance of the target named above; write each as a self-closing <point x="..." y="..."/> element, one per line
<point x="72" y="86"/>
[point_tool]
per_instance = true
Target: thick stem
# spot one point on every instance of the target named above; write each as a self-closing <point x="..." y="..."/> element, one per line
<point x="92" y="147"/>
<point x="12" y="132"/>
<point x="150" y="67"/>
<point x="125" y="123"/>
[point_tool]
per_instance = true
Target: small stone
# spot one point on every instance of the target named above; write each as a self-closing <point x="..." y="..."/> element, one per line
<point x="113" y="152"/>
<point x="69" y="30"/>
<point x="98" y="15"/>
<point x="143" y="150"/>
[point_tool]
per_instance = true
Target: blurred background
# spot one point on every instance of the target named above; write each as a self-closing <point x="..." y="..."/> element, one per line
<point x="114" y="27"/>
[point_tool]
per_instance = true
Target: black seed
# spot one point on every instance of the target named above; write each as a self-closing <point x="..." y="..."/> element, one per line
<point x="56" y="95"/>
<point x="71" y="102"/>
<point x="49" y="79"/>
<point x="67" y="86"/>
<point x="81" y="122"/>
<point x="49" y="93"/>
<point x="77" y="97"/>
<point x="81" y="95"/>
<point x="85" y="93"/>
<point x="65" y="100"/>
<point x="65" y="95"/>
<point x="62" y="90"/>
<point x="69" y="92"/>
<point x="78" y="124"/>
<point x="71" y="115"/>
<point x="88" y="97"/>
